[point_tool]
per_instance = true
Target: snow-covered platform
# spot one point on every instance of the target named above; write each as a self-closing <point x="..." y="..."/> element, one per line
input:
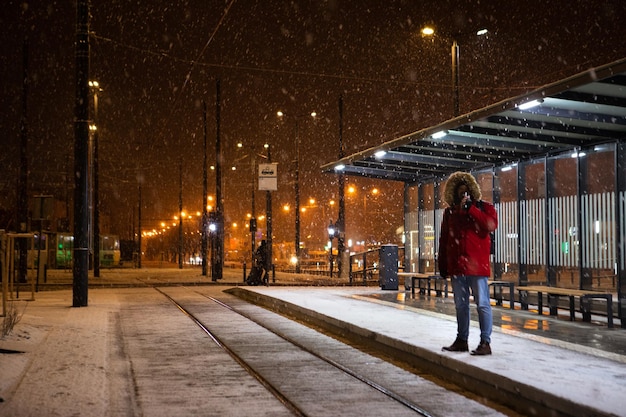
<point x="573" y="367"/>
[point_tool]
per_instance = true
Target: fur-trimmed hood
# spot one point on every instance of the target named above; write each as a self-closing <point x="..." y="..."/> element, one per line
<point x="457" y="179"/>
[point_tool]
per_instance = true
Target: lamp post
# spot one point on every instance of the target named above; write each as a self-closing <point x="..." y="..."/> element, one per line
<point x="213" y="227"/>
<point x="180" y="213"/>
<point x="217" y="265"/>
<point x="297" y="185"/>
<point x="332" y="232"/>
<point x="341" y="221"/>
<point x="268" y="220"/>
<point x="205" y="196"/>
<point x="253" y="164"/>
<point x="95" y="89"/>
<point x="80" y="253"/>
<point x="455" y="56"/>
<point x="138" y="228"/>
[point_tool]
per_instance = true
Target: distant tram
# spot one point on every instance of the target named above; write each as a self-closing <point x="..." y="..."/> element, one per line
<point x="55" y="250"/>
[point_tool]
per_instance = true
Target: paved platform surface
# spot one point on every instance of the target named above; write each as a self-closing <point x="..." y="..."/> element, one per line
<point x="67" y="368"/>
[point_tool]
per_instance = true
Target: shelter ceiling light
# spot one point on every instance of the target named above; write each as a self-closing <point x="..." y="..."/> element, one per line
<point x="380" y="154"/>
<point x="439" y="135"/>
<point x="340" y="167"/>
<point x="529" y="104"/>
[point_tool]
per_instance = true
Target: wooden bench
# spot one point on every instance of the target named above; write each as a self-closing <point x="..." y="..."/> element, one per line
<point x="497" y="292"/>
<point x="553" y="299"/>
<point x="419" y="277"/>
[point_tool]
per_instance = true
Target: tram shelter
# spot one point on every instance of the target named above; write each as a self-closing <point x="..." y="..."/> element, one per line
<point x="553" y="162"/>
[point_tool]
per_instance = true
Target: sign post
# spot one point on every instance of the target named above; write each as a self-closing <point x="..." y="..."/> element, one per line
<point x="268" y="177"/>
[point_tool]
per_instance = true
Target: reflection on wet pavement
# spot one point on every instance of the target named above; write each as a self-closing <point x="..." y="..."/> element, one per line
<point x="594" y="334"/>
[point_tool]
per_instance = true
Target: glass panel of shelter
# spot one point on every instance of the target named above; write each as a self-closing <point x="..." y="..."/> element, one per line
<point x="558" y="216"/>
<point x="411" y="245"/>
<point x="426" y="222"/>
<point x="598" y="213"/>
<point x="532" y="230"/>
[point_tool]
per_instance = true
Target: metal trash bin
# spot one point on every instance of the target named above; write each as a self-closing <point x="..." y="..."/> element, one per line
<point x="388" y="259"/>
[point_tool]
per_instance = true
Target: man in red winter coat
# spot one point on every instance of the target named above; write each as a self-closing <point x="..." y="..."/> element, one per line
<point x="464" y="251"/>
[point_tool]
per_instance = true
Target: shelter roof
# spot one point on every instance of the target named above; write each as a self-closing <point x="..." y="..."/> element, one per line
<point x="582" y="111"/>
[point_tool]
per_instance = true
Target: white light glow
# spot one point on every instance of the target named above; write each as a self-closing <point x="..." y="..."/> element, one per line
<point x="380" y="154"/>
<point x="529" y="104"/>
<point x="439" y="135"/>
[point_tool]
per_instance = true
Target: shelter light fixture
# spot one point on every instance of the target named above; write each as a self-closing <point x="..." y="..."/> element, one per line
<point x="529" y="104"/>
<point x="481" y="32"/>
<point x="380" y="154"/>
<point x="340" y="167"/>
<point x="439" y="135"/>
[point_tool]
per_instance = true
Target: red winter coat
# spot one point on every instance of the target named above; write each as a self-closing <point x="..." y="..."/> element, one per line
<point x="464" y="242"/>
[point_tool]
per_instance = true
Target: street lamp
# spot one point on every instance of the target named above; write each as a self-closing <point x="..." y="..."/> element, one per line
<point x="332" y="233"/>
<point x="455" y="55"/>
<point x="213" y="228"/>
<point x="297" y="184"/>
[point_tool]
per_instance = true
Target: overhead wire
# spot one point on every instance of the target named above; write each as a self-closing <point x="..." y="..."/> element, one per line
<point x="307" y="74"/>
<point x="206" y="45"/>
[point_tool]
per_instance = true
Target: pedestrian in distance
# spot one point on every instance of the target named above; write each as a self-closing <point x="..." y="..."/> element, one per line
<point x="259" y="273"/>
<point x="464" y="256"/>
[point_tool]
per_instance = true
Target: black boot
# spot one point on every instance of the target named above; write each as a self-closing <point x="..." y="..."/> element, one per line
<point x="458" y="346"/>
<point x="482" y="349"/>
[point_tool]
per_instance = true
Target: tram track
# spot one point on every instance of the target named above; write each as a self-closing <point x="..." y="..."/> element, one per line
<point x="348" y="371"/>
<point x="195" y="313"/>
<point x="256" y="375"/>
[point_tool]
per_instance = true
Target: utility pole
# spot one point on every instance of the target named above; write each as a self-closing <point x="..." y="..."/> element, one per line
<point x="341" y="221"/>
<point x="297" y="195"/>
<point x="297" y="186"/>
<point x="180" y="213"/>
<point x="454" y="53"/>
<point x="205" y="195"/>
<point x="22" y="187"/>
<point x="253" y="225"/>
<point x="96" y="183"/>
<point x="81" y="158"/>
<point x="268" y="220"/>
<point x="217" y="267"/>
<point x="139" y="230"/>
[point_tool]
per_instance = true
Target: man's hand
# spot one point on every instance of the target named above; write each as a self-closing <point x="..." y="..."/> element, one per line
<point x="466" y="202"/>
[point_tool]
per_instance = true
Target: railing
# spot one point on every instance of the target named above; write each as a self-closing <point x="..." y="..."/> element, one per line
<point x="367" y="265"/>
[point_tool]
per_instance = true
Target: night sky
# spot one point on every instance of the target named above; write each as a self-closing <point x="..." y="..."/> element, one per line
<point x="158" y="61"/>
